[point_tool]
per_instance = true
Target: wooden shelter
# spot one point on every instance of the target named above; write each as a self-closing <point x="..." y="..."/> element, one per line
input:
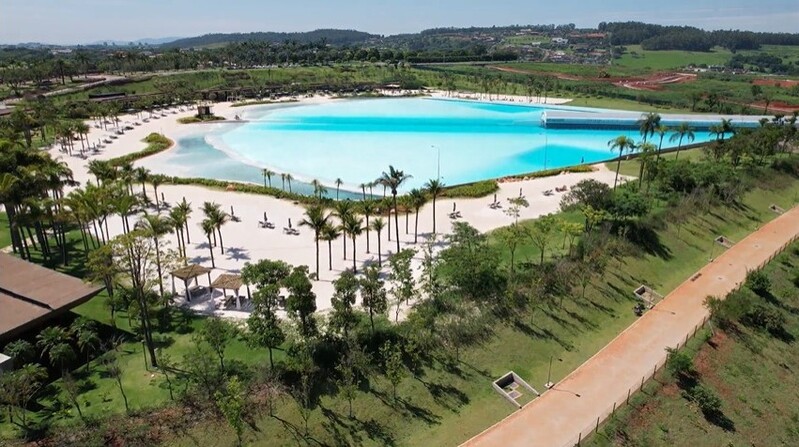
<point x="31" y="294"/>
<point x="187" y="274"/>
<point x="227" y="281"/>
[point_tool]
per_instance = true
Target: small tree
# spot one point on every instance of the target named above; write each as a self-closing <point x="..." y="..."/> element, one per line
<point x="758" y="282"/>
<point x="231" y="404"/>
<point x="373" y="294"/>
<point x="345" y="293"/>
<point x="18" y="388"/>
<point x="22" y="351"/>
<point x="301" y="302"/>
<point x="393" y="365"/>
<point x="218" y="333"/>
<point x="541" y="232"/>
<point x="679" y="364"/>
<point x="114" y="371"/>
<point x="354" y="364"/>
<point x="264" y="330"/>
<point x="401" y="276"/>
<point x="71" y="388"/>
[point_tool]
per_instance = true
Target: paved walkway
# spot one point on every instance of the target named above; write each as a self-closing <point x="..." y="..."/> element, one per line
<point x="570" y="410"/>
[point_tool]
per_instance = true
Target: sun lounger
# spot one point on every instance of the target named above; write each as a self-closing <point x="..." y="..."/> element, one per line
<point x="548" y="192"/>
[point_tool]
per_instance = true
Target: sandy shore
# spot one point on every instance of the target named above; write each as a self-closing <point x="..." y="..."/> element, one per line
<point x="245" y="241"/>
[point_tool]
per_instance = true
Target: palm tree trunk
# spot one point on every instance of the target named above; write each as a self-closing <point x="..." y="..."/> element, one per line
<point x="330" y="254"/>
<point x="618" y="167"/>
<point x="211" y="249"/>
<point x="379" y="252"/>
<point x="354" y="269"/>
<point x="158" y="267"/>
<point x="221" y="246"/>
<point x="367" y="234"/>
<point x="344" y="238"/>
<point x="434" y="214"/>
<point x="317" y="256"/>
<point x="416" y="228"/>
<point x="396" y="220"/>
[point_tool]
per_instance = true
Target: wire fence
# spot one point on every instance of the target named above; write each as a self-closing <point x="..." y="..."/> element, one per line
<point x="624" y="399"/>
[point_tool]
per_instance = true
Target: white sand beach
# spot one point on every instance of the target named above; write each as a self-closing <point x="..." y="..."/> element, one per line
<point x="245" y="241"/>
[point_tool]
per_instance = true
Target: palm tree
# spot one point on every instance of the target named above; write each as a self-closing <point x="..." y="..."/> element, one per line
<point x="330" y="233"/>
<point x="661" y="130"/>
<point x="289" y="178"/>
<point x="339" y="182"/>
<point x="434" y="187"/>
<point x="378" y="224"/>
<point x="368" y="209"/>
<point x="54" y="343"/>
<point x="621" y="143"/>
<point x="315" y="219"/>
<point x="209" y="228"/>
<point x="156" y="180"/>
<point x="417" y="200"/>
<point x="267" y="173"/>
<point x="214" y="213"/>
<point x="363" y="190"/>
<point x="123" y="205"/>
<point x="342" y="210"/>
<point x="156" y="226"/>
<point x="185" y="211"/>
<point x="726" y="127"/>
<point x="648" y="123"/>
<point x="645" y="151"/>
<point x="178" y="218"/>
<point x="142" y="175"/>
<point x="393" y="179"/>
<point x="353" y="227"/>
<point x="283" y="181"/>
<point x="684" y="130"/>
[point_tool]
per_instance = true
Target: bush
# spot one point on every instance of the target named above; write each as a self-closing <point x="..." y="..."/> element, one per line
<point x="757" y="281"/>
<point x="707" y="399"/>
<point x="679" y="363"/>
<point x="155" y="143"/>
<point x="197" y="119"/>
<point x="474" y="190"/>
<point x="766" y="318"/>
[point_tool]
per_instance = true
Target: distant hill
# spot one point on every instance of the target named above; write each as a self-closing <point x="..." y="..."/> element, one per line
<point x="332" y="36"/>
<point x="146" y="41"/>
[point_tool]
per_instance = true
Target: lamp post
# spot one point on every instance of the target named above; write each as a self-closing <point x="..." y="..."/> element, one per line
<point x="549" y="383"/>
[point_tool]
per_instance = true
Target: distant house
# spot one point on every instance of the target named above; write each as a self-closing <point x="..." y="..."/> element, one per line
<point x="559" y="41"/>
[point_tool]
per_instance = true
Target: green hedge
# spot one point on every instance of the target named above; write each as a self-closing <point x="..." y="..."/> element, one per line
<point x="241" y="187"/>
<point x="553" y="172"/>
<point x="155" y="143"/>
<point x="473" y="190"/>
<point x="261" y="102"/>
<point x="196" y="119"/>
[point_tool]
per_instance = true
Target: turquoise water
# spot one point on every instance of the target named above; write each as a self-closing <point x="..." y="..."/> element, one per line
<point x="356" y="140"/>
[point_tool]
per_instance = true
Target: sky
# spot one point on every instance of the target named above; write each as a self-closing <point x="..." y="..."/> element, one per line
<point x="84" y="21"/>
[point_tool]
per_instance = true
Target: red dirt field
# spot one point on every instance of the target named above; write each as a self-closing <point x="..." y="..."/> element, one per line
<point x="784" y="83"/>
<point x="776" y="107"/>
<point x="653" y="82"/>
<point x="572" y="409"/>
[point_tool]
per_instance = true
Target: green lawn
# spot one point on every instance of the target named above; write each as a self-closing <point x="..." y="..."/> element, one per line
<point x="570" y="334"/>
<point x="442" y="406"/>
<point x="619" y="104"/>
<point x="633" y="167"/>
<point x="753" y="373"/>
<point x="637" y="58"/>
<point x="5" y="231"/>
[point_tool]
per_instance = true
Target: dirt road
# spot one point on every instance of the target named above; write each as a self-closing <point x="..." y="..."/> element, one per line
<point x="572" y="408"/>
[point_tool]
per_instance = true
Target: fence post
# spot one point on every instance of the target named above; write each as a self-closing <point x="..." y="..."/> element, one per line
<point x="614" y="409"/>
<point x="642" y="383"/>
<point x="686" y="340"/>
<point x="579" y="438"/>
<point x="628" y="397"/>
<point x="597" y="425"/>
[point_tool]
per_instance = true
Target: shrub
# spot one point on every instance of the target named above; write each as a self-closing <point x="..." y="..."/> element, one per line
<point x="198" y="119"/>
<point x="757" y="281"/>
<point x="766" y="318"/>
<point x="707" y="399"/>
<point x="474" y="190"/>
<point x="155" y="143"/>
<point x="679" y="363"/>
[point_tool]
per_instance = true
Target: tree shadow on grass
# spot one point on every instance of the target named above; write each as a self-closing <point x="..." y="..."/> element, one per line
<point x="446" y="395"/>
<point x="352" y="429"/>
<point x="408" y="409"/>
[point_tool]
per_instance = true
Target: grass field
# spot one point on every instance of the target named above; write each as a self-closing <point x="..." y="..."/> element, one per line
<point x="633" y="167"/>
<point x="573" y="333"/>
<point x="637" y="58"/>
<point x="442" y="405"/>
<point x="5" y="232"/>
<point x="752" y="371"/>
